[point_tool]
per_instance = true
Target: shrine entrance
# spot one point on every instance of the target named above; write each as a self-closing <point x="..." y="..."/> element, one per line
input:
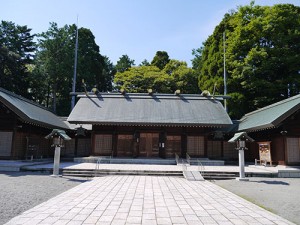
<point x="149" y="145"/>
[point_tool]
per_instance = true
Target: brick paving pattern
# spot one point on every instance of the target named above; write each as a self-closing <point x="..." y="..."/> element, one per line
<point x="146" y="200"/>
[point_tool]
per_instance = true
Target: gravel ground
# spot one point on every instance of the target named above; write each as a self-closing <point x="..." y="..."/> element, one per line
<point x="21" y="191"/>
<point x="278" y="195"/>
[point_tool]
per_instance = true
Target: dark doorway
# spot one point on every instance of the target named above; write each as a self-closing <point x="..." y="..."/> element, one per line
<point x="173" y="145"/>
<point x="148" y="146"/>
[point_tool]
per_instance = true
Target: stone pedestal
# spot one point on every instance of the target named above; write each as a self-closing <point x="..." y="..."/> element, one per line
<point x="56" y="162"/>
<point x="242" y="166"/>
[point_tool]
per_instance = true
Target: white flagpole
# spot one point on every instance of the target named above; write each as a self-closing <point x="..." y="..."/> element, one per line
<point x="225" y="78"/>
<point x="75" y="69"/>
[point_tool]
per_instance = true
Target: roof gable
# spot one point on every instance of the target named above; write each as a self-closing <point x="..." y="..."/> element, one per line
<point x="241" y="136"/>
<point x="30" y="111"/>
<point x="270" y="116"/>
<point x="145" y="109"/>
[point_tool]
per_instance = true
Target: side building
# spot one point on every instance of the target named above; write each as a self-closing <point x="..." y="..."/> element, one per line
<point x="154" y="125"/>
<point x="276" y="131"/>
<point x="23" y="126"/>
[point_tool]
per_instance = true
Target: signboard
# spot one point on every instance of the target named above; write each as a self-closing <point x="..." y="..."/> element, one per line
<point x="265" y="151"/>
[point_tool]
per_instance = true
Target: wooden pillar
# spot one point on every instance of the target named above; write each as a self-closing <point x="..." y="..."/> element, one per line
<point x="76" y="146"/>
<point x="162" y="144"/>
<point x="222" y="149"/>
<point x="93" y="142"/>
<point x="136" y="143"/>
<point x="114" y="143"/>
<point x="205" y="146"/>
<point x="183" y="143"/>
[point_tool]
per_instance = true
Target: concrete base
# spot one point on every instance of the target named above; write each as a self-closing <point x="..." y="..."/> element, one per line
<point x="55" y="175"/>
<point x="242" y="179"/>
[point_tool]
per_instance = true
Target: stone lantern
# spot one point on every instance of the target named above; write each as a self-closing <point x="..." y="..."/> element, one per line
<point x="58" y="137"/>
<point x="240" y="139"/>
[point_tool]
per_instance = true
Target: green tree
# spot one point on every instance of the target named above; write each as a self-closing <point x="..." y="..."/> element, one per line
<point x="145" y="63"/>
<point x="94" y="68"/>
<point x="197" y="61"/>
<point x="140" y="79"/>
<point x="175" y="75"/>
<point x="124" y="63"/>
<point x="160" y="59"/>
<point x="55" y="62"/>
<point x="262" y="56"/>
<point x="16" y="53"/>
<point x="185" y="79"/>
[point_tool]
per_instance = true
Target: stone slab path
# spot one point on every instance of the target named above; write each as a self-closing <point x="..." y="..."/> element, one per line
<point x="146" y="200"/>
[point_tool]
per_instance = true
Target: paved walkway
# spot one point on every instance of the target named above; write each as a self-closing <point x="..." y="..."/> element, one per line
<point x="146" y="200"/>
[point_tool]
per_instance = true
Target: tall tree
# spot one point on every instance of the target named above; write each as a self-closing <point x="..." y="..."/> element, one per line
<point x="124" y="63"/>
<point x="262" y="56"/>
<point x="55" y="59"/>
<point x="175" y="75"/>
<point x="185" y="79"/>
<point x="145" y="63"/>
<point x="16" y="53"/>
<point x="197" y="61"/>
<point x="94" y="68"/>
<point x="160" y="59"/>
<point x="140" y="79"/>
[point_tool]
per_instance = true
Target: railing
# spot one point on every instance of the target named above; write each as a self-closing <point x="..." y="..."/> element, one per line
<point x="97" y="166"/>
<point x="184" y="168"/>
<point x="200" y="167"/>
<point x="177" y="158"/>
<point x="188" y="159"/>
<point x="99" y="160"/>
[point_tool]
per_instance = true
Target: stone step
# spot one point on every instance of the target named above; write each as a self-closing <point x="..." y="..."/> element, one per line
<point x="207" y="162"/>
<point x="219" y="176"/>
<point x="108" y="160"/>
<point x="193" y="176"/>
<point x="91" y="173"/>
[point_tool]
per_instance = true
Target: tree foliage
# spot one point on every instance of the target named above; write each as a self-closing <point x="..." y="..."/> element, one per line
<point x="124" y="63"/>
<point x="16" y="55"/>
<point x="160" y="59"/>
<point x="175" y="75"/>
<point x="145" y="63"/>
<point x="262" y="56"/>
<point x="55" y="66"/>
<point x="185" y="78"/>
<point x="140" y="79"/>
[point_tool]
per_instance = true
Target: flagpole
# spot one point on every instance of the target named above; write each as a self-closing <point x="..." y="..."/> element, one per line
<point x="225" y="78"/>
<point x="75" y="69"/>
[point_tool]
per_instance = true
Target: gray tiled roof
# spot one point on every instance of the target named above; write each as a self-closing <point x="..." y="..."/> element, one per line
<point x="29" y="111"/>
<point x="270" y="116"/>
<point x="144" y="109"/>
<point x="241" y="136"/>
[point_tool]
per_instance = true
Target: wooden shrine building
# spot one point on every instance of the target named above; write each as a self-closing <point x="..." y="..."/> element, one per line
<point x="276" y="131"/>
<point x="23" y="126"/>
<point x="153" y="125"/>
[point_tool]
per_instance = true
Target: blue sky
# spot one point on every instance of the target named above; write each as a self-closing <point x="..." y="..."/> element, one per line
<point x="137" y="28"/>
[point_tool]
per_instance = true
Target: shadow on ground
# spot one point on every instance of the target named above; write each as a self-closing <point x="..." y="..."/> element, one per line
<point x="45" y="173"/>
<point x="275" y="182"/>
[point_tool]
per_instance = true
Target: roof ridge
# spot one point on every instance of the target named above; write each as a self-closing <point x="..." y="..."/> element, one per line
<point x="153" y="95"/>
<point x="24" y="99"/>
<point x="273" y="105"/>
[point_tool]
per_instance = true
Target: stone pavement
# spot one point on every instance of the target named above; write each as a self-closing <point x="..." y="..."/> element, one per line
<point x="146" y="200"/>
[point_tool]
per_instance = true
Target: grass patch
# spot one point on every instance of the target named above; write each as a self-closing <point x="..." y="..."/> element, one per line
<point x="256" y="203"/>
